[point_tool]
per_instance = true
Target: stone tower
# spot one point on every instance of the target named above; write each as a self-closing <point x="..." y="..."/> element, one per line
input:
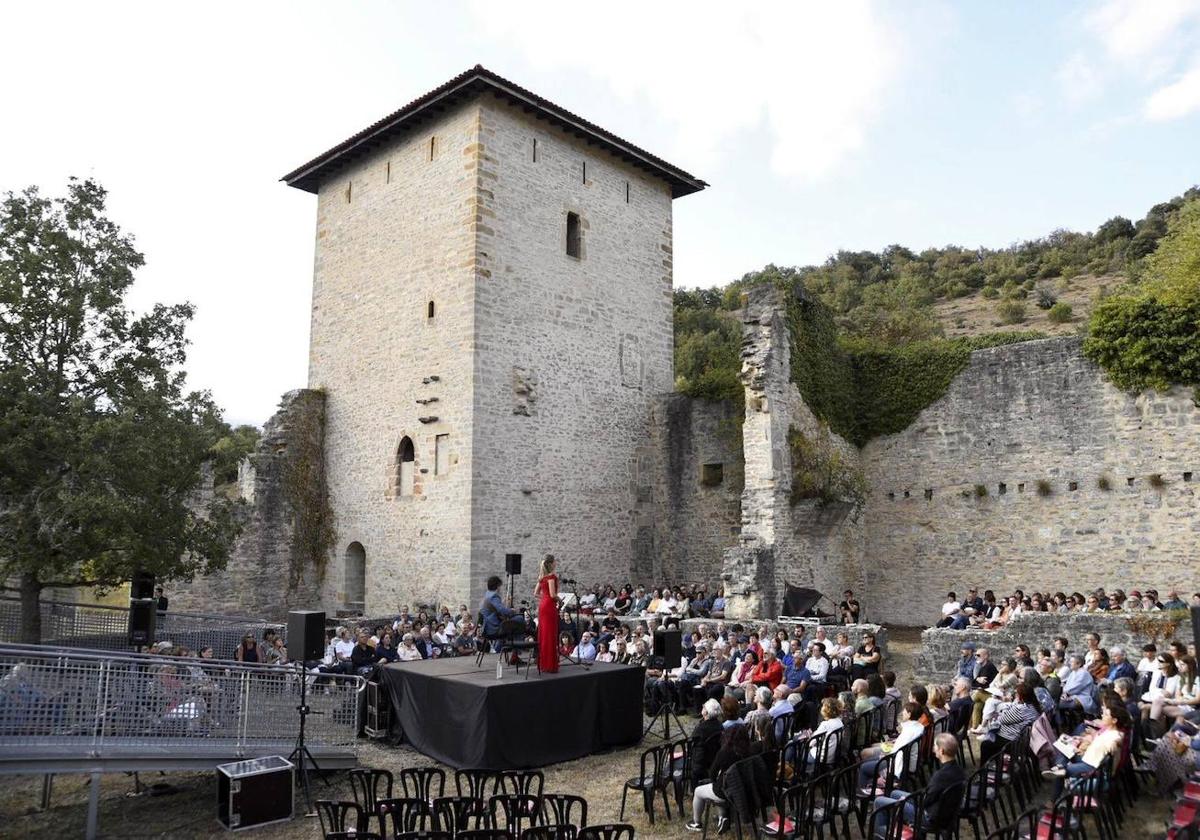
<point x="491" y="324"/>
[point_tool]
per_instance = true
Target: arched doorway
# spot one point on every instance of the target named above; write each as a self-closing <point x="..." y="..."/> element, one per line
<point x="356" y="576"/>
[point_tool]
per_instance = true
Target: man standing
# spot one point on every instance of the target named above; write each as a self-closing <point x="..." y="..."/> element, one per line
<point x="162" y="600"/>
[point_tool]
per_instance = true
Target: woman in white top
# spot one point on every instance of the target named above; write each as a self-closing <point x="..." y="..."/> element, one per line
<point x="910" y="730"/>
<point x="1175" y="703"/>
<point x="831" y="727"/>
<point x="603" y="654"/>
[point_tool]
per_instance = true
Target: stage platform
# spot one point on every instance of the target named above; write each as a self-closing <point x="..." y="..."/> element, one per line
<point x="463" y="716"/>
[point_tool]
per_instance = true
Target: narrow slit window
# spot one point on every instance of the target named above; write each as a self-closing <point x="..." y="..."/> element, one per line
<point x="585" y="172"/>
<point x="388" y="176"/>
<point x="441" y="454"/>
<point x="405" y="467"/>
<point x="573" y="236"/>
<point x="535" y="150"/>
<point x="349" y="189"/>
<point x="626" y="192"/>
<point x="429" y="310"/>
<point x="432" y="146"/>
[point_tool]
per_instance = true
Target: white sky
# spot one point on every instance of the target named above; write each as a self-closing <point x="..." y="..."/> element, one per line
<point x="848" y="125"/>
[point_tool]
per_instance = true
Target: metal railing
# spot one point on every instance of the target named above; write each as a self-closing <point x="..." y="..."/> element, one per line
<point x="100" y="627"/>
<point x="92" y="711"/>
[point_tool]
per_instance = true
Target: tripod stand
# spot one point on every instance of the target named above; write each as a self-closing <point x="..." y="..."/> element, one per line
<point x="665" y="713"/>
<point x="578" y="660"/>
<point x="301" y="756"/>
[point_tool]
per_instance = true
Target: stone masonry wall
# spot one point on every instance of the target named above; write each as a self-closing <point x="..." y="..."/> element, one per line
<point x="1018" y="415"/>
<point x="938" y="658"/>
<point x="699" y="518"/>
<point x="255" y="583"/>
<point x="395" y="234"/>
<point x="809" y="544"/>
<point x="570" y="353"/>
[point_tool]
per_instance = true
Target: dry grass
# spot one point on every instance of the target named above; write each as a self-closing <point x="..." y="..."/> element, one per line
<point x="190" y="812"/>
<point x="975" y="314"/>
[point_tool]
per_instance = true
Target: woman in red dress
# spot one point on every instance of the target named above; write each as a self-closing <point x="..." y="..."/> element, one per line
<point x="547" y="594"/>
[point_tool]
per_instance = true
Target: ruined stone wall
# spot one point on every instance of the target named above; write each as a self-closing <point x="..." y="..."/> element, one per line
<point x="1019" y="415"/>
<point x="259" y="580"/>
<point x="570" y="353"/>
<point x="395" y="234"/>
<point x="808" y="544"/>
<point x="940" y="649"/>
<point x="698" y="461"/>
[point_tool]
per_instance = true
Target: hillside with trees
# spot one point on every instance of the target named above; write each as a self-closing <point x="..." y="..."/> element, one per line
<point x="883" y="316"/>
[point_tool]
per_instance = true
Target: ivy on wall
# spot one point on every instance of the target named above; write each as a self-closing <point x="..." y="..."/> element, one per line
<point x="863" y="388"/>
<point x="302" y="477"/>
<point x="820" y="471"/>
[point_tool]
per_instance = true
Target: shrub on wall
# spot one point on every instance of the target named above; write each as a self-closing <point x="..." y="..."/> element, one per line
<point x="820" y="471"/>
<point x="1043" y="487"/>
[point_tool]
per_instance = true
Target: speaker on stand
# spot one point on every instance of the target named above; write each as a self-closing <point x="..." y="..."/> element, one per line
<point x="512" y="568"/>
<point x="306" y="630"/>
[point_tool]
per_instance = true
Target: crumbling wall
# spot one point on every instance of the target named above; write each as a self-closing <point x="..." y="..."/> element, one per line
<point x="271" y="567"/>
<point x="810" y="543"/>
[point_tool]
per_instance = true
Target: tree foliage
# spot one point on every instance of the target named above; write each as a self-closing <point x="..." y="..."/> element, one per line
<point x="1149" y="336"/>
<point x="101" y="446"/>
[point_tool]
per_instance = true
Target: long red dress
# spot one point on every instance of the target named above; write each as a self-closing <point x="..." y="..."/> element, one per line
<point x="547" y="626"/>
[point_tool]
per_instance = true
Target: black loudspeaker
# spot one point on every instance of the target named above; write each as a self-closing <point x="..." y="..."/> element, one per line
<point x="1196" y="628"/>
<point x="254" y="792"/>
<point x="141" y="621"/>
<point x="669" y="645"/>
<point x="379" y="711"/>
<point x="141" y="586"/>
<point x="512" y="564"/>
<point x="305" y="635"/>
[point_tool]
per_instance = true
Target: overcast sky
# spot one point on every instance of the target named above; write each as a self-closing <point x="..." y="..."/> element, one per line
<point x="853" y="126"/>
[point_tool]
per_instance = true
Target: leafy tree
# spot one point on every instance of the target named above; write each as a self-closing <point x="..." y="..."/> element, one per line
<point x="229" y="450"/>
<point x="101" y="448"/>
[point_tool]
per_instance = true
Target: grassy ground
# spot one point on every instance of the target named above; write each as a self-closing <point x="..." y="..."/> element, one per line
<point x="190" y="812"/>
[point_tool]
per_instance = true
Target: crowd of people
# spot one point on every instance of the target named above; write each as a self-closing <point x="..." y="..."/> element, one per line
<point x="686" y="601"/>
<point x="1126" y="703"/>
<point x="991" y="613"/>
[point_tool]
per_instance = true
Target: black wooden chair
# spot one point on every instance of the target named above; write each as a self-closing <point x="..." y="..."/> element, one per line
<point x="459" y="813"/>
<point x="833" y="800"/>
<point x="564" y="809"/>
<point x="370" y="786"/>
<point x="793" y="817"/>
<point x="424" y="835"/>
<point x="485" y="834"/>
<point x="340" y="816"/>
<point x="426" y="783"/>
<point x="609" y="831"/>
<point x="403" y="816"/>
<point x="979" y="797"/>
<point x="514" y="812"/>
<point x="882" y="782"/>
<point x="654" y="776"/>
<point x="885" y="821"/>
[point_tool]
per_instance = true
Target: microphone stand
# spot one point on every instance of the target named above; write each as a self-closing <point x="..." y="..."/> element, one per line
<point x="578" y="660"/>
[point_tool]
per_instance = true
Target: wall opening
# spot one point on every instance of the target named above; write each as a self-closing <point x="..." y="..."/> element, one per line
<point x="626" y="192"/>
<point x="584" y="172"/>
<point x="574" y="243"/>
<point x="356" y="575"/>
<point x="928" y="493"/>
<point x="441" y="454"/>
<point x="535" y="150"/>
<point x="429" y="310"/>
<point x="405" y="466"/>
<point x="1001" y="488"/>
<point x="712" y="474"/>
<point x="432" y="146"/>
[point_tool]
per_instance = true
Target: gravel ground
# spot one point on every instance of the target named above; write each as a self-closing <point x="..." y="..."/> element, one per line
<point x="189" y="812"/>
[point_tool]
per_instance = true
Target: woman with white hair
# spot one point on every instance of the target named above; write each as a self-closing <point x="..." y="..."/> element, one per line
<point x="705" y="739"/>
<point x="762" y="706"/>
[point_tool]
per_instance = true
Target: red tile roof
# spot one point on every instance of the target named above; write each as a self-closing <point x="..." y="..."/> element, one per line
<point x="475" y="81"/>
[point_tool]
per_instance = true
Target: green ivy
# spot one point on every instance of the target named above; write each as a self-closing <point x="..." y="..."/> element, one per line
<point x="820" y="471"/>
<point x="864" y="388"/>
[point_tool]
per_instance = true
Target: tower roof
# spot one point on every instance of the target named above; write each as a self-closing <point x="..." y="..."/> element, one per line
<point x="462" y="87"/>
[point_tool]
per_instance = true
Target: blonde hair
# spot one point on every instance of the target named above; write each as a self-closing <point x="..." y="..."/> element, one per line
<point x="831" y="707"/>
<point x="937" y="696"/>
<point x="547" y="562"/>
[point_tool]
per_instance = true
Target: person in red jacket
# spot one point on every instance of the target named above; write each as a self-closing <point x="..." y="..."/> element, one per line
<point x="768" y="672"/>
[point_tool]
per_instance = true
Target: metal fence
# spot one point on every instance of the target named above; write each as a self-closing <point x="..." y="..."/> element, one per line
<point x="99" y="627"/>
<point x="79" y="711"/>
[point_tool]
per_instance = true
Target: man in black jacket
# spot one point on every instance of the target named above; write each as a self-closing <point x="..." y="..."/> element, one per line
<point x="943" y="794"/>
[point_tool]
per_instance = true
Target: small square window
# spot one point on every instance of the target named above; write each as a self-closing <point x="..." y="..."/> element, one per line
<point x="712" y="474"/>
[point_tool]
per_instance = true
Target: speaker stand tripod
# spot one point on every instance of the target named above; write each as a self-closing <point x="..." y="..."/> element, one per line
<point x="300" y="756"/>
<point x="666" y="713"/>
